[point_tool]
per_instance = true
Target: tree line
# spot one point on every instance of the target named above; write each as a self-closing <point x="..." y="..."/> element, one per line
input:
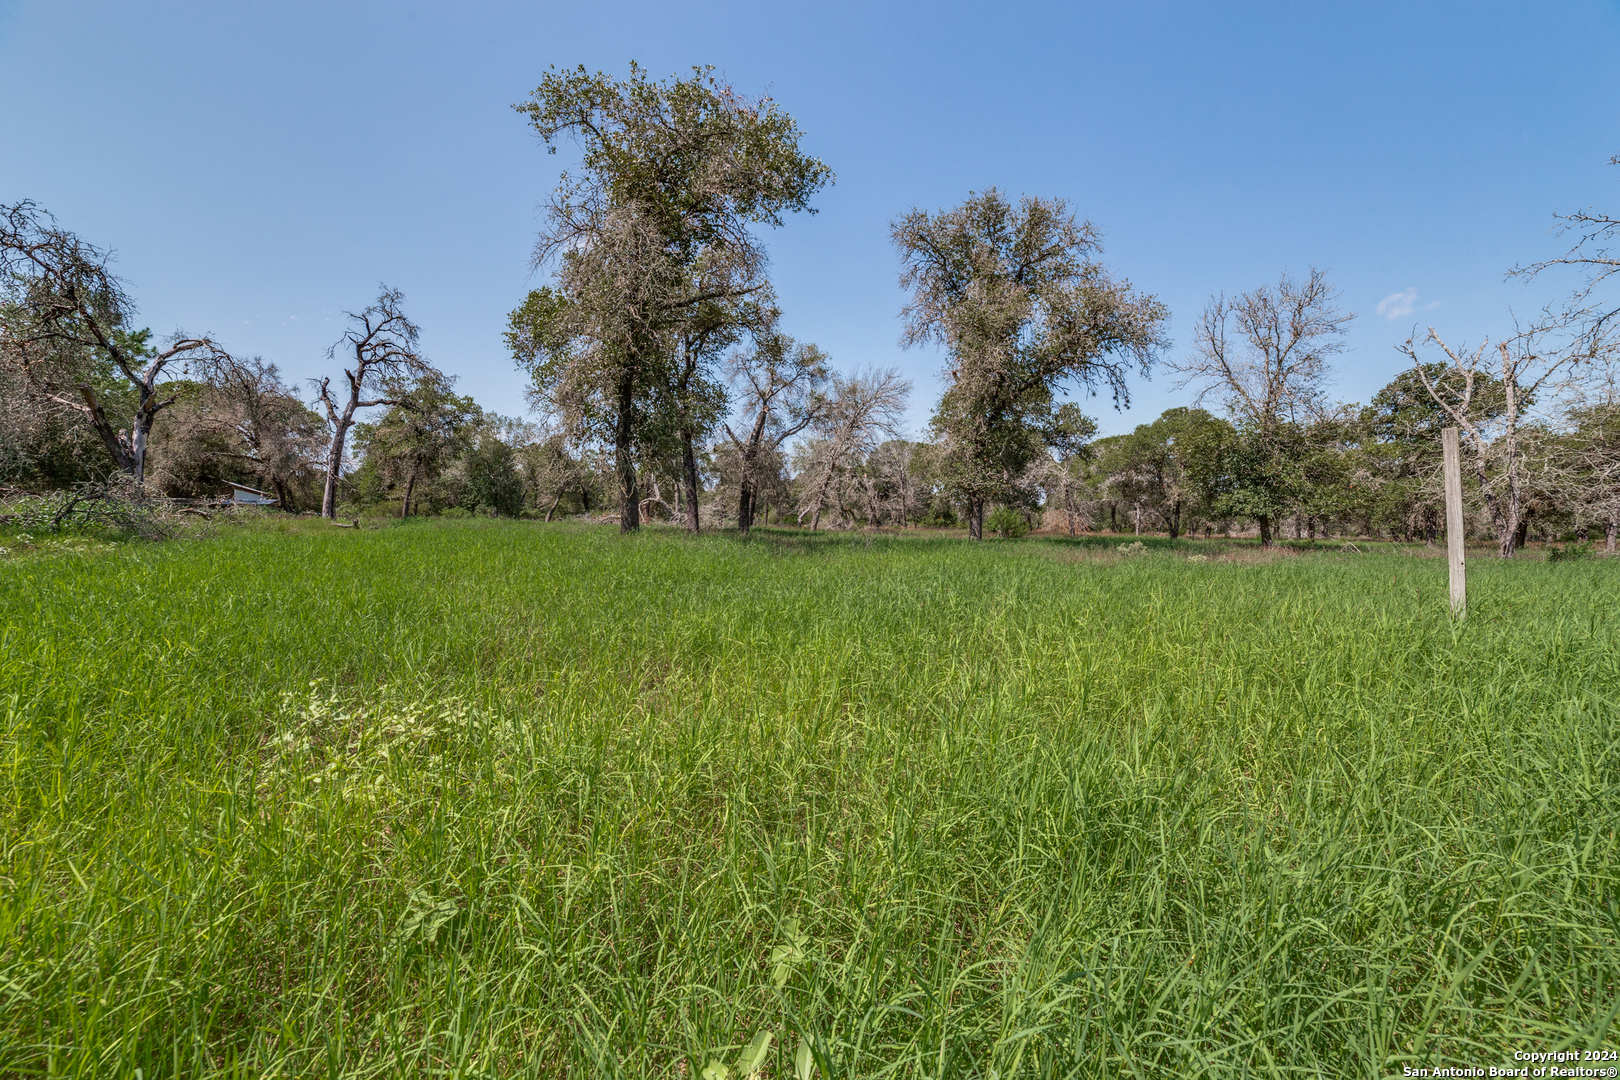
<point x="666" y="387"/>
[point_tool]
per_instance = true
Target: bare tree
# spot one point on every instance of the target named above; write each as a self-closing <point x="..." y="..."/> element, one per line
<point x="1492" y="409"/>
<point x="280" y="437"/>
<point x="1266" y="353"/>
<point x="894" y="489"/>
<point x="1275" y="368"/>
<point x="1592" y="400"/>
<point x="65" y="313"/>
<point x="781" y="381"/>
<point x="383" y="345"/>
<point x="553" y="473"/>
<point x="861" y="410"/>
<point x="1067" y="439"/>
<point x="1592" y="256"/>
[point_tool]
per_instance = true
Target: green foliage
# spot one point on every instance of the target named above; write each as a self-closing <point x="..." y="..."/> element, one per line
<point x="861" y="806"/>
<point x="657" y="267"/>
<point x="416" y="439"/>
<point x="693" y="151"/>
<point x="492" y="477"/>
<point x="1404" y="411"/>
<point x="1017" y="298"/>
<point x="1007" y="523"/>
<point x="1569" y="553"/>
<point x="1068" y="431"/>
<point x="1177" y="467"/>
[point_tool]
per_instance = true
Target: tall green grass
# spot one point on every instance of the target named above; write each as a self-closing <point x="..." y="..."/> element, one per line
<point x="500" y="800"/>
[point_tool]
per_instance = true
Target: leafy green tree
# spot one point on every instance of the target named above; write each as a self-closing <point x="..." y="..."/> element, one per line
<point x="653" y="230"/>
<point x="1173" y="467"/>
<point x="427" y="428"/>
<point x="553" y="474"/>
<point x="693" y="401"/>
<point x="490" y="470"/>
<point x="1016" y="297"/>
<point x="1394" y="480"/>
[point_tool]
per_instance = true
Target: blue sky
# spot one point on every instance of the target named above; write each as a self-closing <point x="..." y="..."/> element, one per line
<point x="261" y="167"/>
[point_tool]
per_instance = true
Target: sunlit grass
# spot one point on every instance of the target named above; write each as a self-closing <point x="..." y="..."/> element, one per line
<point x="505" y="799"/>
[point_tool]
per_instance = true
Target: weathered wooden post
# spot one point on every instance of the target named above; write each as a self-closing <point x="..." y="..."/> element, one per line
<point x="1454" y="524"/>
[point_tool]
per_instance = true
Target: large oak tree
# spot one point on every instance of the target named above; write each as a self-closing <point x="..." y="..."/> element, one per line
<point x="651" y="232"/>
<point x="1017" y="298"/>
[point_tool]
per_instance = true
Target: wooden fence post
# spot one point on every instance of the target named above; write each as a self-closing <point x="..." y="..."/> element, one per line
<point x="1454" y="524"/>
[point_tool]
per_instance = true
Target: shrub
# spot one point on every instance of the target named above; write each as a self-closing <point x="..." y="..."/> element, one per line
<point x="116" y="504"/>
<point x="1569" y="553"/>
<point x="1008" y="523"/>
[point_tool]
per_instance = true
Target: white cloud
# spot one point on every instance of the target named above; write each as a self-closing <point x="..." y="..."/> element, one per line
<point x="1395" y="305"/>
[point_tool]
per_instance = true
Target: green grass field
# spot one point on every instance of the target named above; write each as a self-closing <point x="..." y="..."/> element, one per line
<point x="500" y="799"/>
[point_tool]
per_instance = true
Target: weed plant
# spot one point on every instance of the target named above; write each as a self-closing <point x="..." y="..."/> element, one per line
<point x="500" y="799"/>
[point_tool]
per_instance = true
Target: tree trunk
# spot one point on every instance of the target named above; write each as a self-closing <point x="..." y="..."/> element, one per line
<point x="552" y="509"/>
<point x="821" y="498"/>
<point x="745" y="499"/>
<point x="410" y="486"/>
<point x="1611" y="533"/>
<point x="1265" y="530"/>
<point x="976" y="518"/>
<point x="1175" y="520"/>
<point x="139" y="436"/>
<point x="283" y="494"/>
<point x="104" y="429"/>
<point x="334" y="465"/>
<point x="749" y="452"/>
<point x="689" y="481"/>
<point x="624" y="461"/>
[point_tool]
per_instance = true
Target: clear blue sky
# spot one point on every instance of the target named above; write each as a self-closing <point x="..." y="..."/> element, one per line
<point x="259" y="167"/>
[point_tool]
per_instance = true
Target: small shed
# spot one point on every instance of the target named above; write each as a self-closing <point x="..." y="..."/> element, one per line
<point x="244" y="495"/>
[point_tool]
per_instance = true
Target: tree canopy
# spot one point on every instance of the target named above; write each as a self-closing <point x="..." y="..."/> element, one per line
<point x="646" y="237"/>
<point x="1016" y="297"/>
